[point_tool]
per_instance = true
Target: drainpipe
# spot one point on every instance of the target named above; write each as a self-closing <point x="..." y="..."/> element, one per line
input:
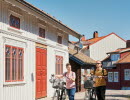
<point x="77" y="48"/>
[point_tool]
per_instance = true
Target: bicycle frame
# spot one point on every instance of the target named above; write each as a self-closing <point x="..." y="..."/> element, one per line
<point x="90" y="92"/>
<point x="60" y="92"/>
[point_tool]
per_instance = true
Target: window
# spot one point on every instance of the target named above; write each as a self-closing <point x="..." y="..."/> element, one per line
<point x="105" y="64"/>
<point x="126" y="74"/>
<point x="110" y="76"/>
<point x="42" y="32"/>
<point x="59" y="40"/>
<point x="115" y="57"/>
<point x="59" y="64"/>
<point x="13" y="64"/>
<point x="14" y="22"/>
<point x="116" y="77"/>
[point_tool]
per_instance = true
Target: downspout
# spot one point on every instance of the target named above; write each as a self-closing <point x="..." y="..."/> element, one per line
<point x="77" y="48"/>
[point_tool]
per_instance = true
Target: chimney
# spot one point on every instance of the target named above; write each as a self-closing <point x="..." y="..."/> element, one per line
<point x="95" y="34"/>
<point x="83" y="38"/>
<point x="128" y="44"/>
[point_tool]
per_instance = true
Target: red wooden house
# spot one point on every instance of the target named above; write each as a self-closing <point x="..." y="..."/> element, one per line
<point x="118" y="67"/>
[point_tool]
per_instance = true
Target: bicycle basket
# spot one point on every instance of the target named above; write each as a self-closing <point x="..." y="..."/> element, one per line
<point x="56" y="84"/>
<point x="88" y="84"/>
<point x="61" y="84"/>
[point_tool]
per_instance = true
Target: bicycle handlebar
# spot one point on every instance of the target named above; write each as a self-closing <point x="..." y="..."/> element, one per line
<point x="94" y="76"/>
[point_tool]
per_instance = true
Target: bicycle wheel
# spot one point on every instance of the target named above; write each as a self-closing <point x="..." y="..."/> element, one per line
<point x="94" y="94"/>
<point x="88" y="94"/>
<point x="56" y="95"/>
<point x="63" y="94"/>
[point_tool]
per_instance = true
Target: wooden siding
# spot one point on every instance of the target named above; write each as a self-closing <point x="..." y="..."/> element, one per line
<point x="114" y="85"/>
<point x="122" y="83"/>
<point x="26" y="38"/>
<point x="98" y="50"/>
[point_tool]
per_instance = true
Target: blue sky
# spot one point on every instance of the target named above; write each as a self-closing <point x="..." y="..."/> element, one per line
<point x="87" y="16"/>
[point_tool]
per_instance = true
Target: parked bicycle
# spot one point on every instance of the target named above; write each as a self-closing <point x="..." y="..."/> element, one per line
<point x="90" y="93"/>
<point x="60" y="88"/>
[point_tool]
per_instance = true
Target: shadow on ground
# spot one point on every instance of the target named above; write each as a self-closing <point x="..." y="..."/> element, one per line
<point x="124" y="96"/>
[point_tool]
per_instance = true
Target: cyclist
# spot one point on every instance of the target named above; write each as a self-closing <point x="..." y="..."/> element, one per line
<point x="100" y="82"/>
<point x="70" y="81"/>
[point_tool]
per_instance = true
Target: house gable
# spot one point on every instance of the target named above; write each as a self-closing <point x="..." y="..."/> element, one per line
<point x="99" y="49"/>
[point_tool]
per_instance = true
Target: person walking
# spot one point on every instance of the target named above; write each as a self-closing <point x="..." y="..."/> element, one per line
<point x="70" y="81"/>
<point x="100" y="82"/>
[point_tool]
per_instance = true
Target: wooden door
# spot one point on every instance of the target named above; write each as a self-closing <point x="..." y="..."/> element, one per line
<point x="41" y="72"/>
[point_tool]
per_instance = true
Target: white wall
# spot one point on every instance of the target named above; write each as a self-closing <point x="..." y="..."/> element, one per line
<point x="26" y="38"/>
<point x="18" y="90"/>
<point x="51" y="61"/>
<point x="111" y="43"/>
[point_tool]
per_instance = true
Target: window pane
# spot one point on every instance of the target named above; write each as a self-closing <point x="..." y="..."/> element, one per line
<point x="7" y="63"/>
<point x="7" y="69"/>
<point x="110" y="76"/>
<point x="20" y="65"/>
<point x="42" y="32"/>
<point x="115" y="57"/>
<point x="14" y="64"/>
<point x="59" y="65"/>
<point x="59" y="40"/>
<point x="14" y="70"/>
<point x="14" y="21"/>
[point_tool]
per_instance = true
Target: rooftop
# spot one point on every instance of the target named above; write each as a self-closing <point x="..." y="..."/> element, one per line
<point x="82" y="57"/>
<point x="125" y="59"/>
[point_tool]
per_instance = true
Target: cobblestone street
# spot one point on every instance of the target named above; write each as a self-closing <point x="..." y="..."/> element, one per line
<point x="110" y="95"/>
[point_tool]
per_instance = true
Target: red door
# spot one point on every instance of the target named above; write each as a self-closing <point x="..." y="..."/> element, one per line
<point x="41" y="73"/>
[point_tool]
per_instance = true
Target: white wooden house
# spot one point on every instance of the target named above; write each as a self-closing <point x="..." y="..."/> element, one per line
<point x="33" y="45"/>
<point x="97" y="47"/>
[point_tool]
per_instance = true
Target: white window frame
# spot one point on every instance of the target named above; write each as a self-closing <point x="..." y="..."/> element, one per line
<point x="43" y="27"/>
<point x="110" y="78"/>
<point x="126" y="74"/>
<point x="20" y="44"/>
<point x="10" y="12"/>
<point x="116" y="76"/>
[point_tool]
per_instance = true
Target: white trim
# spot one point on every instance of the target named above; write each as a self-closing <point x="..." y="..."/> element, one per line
<point x="15" y="13"/>
<point x="59" y="34"/>
<point x="14" y="83"/>
<point x="33" y="40"/>
<point x="14" y="30"/>
<point x="15" y="43"/>
<point x="42" y="39"/>
<point x="10" y="12"/>
<point x="43" y="27"/>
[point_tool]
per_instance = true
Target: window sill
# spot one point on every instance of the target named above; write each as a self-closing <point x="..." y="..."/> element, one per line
<point x="116" y="82"/>
<point x="14" y="83"/>
<point x="127" y="80"/>
<point x="14" y="30"/>
<point x="42" y="39"/>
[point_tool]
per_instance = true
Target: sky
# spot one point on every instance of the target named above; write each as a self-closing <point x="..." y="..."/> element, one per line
<point x="87" y="16"/>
